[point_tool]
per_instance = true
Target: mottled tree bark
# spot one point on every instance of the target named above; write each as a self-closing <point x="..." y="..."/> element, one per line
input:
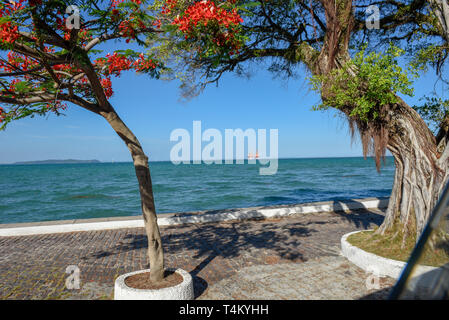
<point x="140" y="160"/>
<point x="441" y="10"/>
<point x="421" y="172"/>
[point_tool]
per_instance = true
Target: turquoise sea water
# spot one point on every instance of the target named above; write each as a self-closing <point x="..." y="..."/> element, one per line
<point x="76" y="191"/>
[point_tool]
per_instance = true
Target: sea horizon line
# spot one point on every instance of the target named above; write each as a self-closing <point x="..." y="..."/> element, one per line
<point x="96" y="161"/>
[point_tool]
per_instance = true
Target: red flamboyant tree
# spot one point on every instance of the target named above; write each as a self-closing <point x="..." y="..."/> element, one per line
<point x="49" y="62"/>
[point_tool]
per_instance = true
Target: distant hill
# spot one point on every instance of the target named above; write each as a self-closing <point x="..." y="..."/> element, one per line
<point x="68" y="161"/>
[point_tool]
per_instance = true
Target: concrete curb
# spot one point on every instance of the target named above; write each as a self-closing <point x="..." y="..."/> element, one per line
<point x="370" y="262"/>
<point x="202" y="217"/>
<point x="182" y="291"/>
<point x="422" y="283"/>
<point x="373" y="263"/>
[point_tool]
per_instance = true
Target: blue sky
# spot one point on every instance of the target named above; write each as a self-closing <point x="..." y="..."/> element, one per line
<point x="151" y="108"/>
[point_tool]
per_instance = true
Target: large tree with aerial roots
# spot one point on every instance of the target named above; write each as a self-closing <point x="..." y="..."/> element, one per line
<point x="337" y="43"/>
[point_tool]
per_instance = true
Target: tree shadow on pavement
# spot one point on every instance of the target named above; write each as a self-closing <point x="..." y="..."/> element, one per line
<point x="227" y="240"/>
<point x="381" y="294"/>
<point x="205" y="242"/>
<point x="360" y="218"/>
<point x="241" y="243"/>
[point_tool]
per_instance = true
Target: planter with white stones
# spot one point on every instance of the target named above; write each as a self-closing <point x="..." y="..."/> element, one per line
<point x="181" y="291"/>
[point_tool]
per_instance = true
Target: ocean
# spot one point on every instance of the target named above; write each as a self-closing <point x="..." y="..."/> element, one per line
<point x="31" y="193"/>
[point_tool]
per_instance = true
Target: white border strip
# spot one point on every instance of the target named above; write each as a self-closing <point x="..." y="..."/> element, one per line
<point x="238" y="214"/>
<point x="373" y="263"/>
<point x="425" y="282"/>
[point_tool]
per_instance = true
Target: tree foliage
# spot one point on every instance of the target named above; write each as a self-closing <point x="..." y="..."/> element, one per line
<point x="45" y="64"/>
<point x="365" y="83"/>
<point x="434" y="110"/>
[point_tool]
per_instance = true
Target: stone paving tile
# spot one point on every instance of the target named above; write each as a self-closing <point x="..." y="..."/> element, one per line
<point x="327" y="277"/>
<point x="33" y="267"/>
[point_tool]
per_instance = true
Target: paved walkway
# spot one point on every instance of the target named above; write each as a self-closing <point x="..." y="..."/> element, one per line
<point x="323" y="278"/>
<point x="290" y="258"/>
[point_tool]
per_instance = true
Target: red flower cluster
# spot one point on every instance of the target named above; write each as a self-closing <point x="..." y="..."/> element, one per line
<point x="107" y="86"/>
<point x="83" y="34"/>
<point x="129" y="20"/>
<point x="71" y="70"/>
<point x="205" y="12"/>
<point x="127" y="26"/>
<point x="157" y="23"/>
<point x="18" y="61"/>
<point x="56" y="106"/>
<point x="127" y="30"/>
<point x="168" y="6"/>
<point x="12" y="84"/>
<point x="117" y="63"/>
<point x="8" y="32"/>
<point x="141" y="64"/>
<point x="2" y="114"/>
<point x="68" y="68"/>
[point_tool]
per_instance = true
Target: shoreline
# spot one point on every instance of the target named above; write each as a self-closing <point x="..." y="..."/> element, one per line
<point x="167" y="219"/>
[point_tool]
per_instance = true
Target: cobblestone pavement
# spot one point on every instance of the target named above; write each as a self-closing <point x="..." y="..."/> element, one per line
<point x="302" y="250"/>
<point x="323" y="278"/>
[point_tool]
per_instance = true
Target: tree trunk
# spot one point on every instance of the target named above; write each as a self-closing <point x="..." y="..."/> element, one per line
<point x="441" y="10"/>
<point x="140" y="160"/>
<point x="421" y="172"/>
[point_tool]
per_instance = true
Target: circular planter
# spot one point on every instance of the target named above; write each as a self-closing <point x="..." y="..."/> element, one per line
<point x="424" y="277"/>
<point x="182" y="291"/>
